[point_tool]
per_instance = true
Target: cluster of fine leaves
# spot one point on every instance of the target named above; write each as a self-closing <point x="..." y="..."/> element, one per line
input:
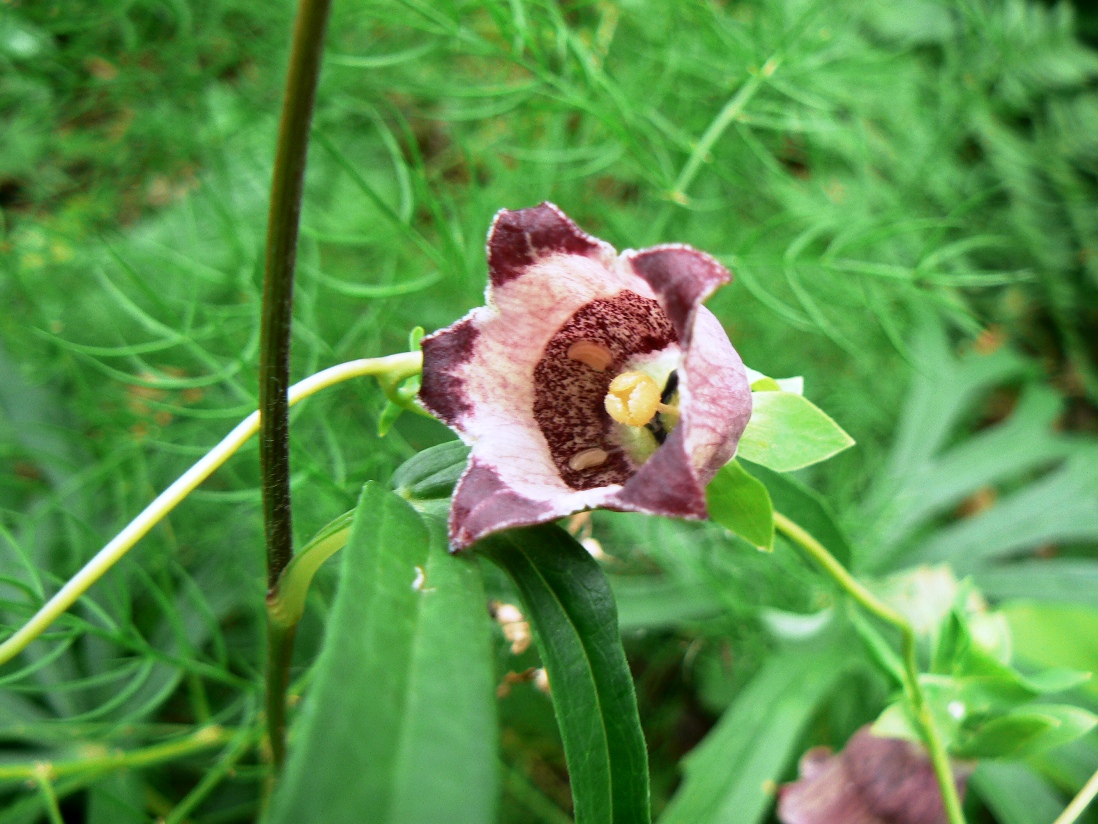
<point x="885" y="179"/>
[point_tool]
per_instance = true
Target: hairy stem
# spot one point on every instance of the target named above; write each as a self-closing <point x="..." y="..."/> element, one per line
<point x="287" y="188"/>
<point x="858" y="591"/>
<point x="392" y="369"/>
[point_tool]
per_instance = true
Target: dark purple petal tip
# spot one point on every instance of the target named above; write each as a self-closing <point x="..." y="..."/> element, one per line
<point x="441" y="391"/>
<point x="519" y="239"/>
<point x="681" y="276"/>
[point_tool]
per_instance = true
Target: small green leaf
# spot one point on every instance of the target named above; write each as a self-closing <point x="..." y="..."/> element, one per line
<point x="403" y="698"/>
<point x="741" y="504"/>
<point x="805" y="507"/>
<point x="788" y="432"/>
<point x="571" y="610"/>
<point x="1023" y="732"/>
<point x="431" y="473"/>
<point x="389" y="414"/>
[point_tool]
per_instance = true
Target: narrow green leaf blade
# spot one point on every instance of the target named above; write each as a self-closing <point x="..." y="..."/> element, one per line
<point x="805" y="507"/>
<point x="741" y="504"/>
<point x="403" y="697"/>
<point x="1027" y="731"/>
<point x="431" y="473"/>
<point x="571" y="609"/>
<point x="1015" y="793"/>
<point x="727" y="775"/>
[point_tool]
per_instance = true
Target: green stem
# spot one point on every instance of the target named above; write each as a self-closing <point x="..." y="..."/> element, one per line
<point x="101" y="759"/>
<point x="280" y="651"/>
<point x="394" y="369"/>
<point x="283" y="223"/>
<point x="858" y="591"/>
<point x="49" y="797"/>
<point x="1078" y="804"/>
<point x="287" y="187"/>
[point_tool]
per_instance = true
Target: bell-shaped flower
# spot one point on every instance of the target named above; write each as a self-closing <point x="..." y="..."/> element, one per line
<point x="872" y="781"/>
<point x="590" y="379"/>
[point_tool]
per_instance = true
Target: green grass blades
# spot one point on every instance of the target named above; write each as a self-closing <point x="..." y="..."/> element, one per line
<point x="728" y="775"/>
<point x="742" y="505"/>
<point x="788" y="432"/>
<point x="571" y="609"/>
<point x="400" y="724"/>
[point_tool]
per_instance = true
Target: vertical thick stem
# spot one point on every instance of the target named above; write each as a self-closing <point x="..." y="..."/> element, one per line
<point x="280" y="649"/>
<point x="274" y="372"/>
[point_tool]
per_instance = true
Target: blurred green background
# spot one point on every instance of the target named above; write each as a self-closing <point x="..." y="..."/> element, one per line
<point x="905" y="191"/>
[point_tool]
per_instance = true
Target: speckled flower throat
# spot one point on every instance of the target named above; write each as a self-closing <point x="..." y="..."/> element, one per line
<point x="600" y="341"/>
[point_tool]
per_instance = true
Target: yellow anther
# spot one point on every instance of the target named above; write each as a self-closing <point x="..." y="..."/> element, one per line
<point x="587" y="458"/>
<point x="633" y="399"/>
<point x="595" y="355"/>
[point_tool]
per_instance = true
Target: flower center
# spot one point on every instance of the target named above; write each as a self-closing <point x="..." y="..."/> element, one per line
<point x="633" y="398"/>
<point x="623" y="332"/>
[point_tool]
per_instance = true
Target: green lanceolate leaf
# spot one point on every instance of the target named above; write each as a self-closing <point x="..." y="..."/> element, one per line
<point x="431" y="473"/>
<point x="741" y="504"/>
<point x="571" y="609"/>
<point x="1015" y="793"/>
<point x="1026" y="731"/>
<point x="805" y="507"/>
<point x="788" y="432"/>
<point x="757" y="738"/>
<point x="399" y="725"/>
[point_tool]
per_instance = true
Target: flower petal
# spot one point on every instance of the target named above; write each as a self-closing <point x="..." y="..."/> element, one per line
<point x="872" y="781"/>
<point x="519" y="239"/>
<point x="681" y="276"/>
<point x="442" y="390"/>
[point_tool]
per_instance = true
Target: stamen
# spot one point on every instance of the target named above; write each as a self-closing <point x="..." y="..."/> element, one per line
<point x="633" y="399"/>
<point x="587" y="459"/>
<point x="595" y="355"/>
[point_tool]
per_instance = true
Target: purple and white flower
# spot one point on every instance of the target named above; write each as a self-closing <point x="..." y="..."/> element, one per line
<point x="873" y="780"/>
<point x="589" y="379"/>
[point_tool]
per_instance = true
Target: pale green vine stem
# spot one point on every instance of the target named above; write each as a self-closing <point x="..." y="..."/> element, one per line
<point x="392" y="369"/>
<point x="1075" y="809"/>
<point x="98" y="758"/>
<point x="858" y="591"/>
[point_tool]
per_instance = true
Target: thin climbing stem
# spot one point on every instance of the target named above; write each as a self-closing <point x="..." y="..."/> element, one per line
<point x="866" y="599"/>
<point x="392" y="370"/>
<point x="110" y="760"/>
<point x="1078" y="804"/>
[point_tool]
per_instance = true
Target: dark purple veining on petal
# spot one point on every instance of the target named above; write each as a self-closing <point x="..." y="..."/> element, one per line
<point x="681" y="277"/>
<point x="568" y="394"/>
<point x="666" y="485"/>
<point x="519" y="239"/>
<point x="441" y="391"/>
<point x="483" y="503"/>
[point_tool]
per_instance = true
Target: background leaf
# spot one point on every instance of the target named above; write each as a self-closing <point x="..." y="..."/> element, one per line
<point x="404" y="691"/>
<point x="805" y="507"/>
<point x="731" y="775"/>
